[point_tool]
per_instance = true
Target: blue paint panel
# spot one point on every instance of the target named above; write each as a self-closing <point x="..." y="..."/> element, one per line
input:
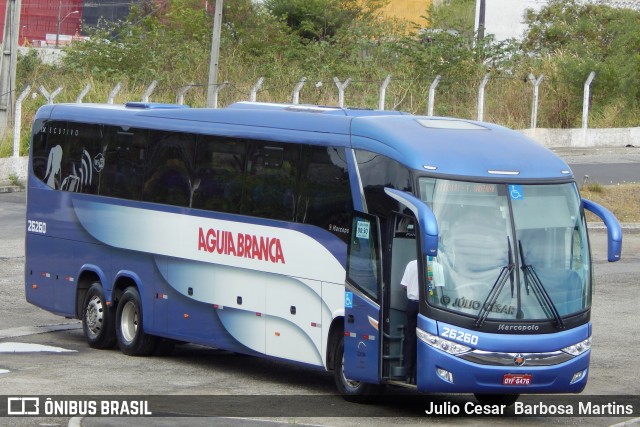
<point x="461" y="152"/>
<point x="472" y="378"/>
<point x="614" y="231"/>
<point x="51" y="268"/>
<point x="362" y="340"/>
<point x="517" y="342"/>
<point x="39" y="289"/>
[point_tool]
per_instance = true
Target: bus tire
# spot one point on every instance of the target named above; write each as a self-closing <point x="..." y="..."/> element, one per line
<point x="352" y="391"/>
<point x="132" y="339"/>
<point x="98" y="322"/>
<point x="497" y="399"/>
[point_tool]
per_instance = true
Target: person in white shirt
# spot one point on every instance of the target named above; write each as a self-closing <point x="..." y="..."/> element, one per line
<point x="411" y="283"/>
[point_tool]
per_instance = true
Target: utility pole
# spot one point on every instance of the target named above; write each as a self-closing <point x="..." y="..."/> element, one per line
<point x="58" y="23"/>
<point x="215" y="54"/>
<point x="8" y="62"/>
<point x="481" y="19"/>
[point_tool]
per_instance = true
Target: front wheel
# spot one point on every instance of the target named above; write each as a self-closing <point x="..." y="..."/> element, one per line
<point x="352" y="391"/>
<point x="132" y="339"/>
<point x="97" y="319"/>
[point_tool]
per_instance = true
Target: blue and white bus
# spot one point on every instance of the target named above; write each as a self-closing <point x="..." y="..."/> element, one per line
<point x="284" y="231"/>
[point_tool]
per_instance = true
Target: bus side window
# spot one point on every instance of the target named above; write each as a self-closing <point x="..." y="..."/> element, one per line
<point x="378" y="172"/>
<point x="48" y="151"/>
<point x="169" y="167"/>
<point x="270" y="181"/>
<point x="123" y="151"/>
<point x="220" y="165"/>
<point x="324" y="195"/>
<point x="84" y="157"/>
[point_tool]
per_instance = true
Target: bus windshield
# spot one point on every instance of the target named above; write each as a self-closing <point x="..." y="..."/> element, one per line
<point x="508" y="252"/>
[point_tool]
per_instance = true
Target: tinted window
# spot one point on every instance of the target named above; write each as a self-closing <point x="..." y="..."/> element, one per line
<point x="84" y="157"/>
<point x="270" y="183"/>
<point x="65" y="155"/>
<point x="48" y="146"/>
<point x="363" y="263"/>
<point x="169" y="168"/>
<point x="124" y="154"/>
<point x="324" y="194"/>
<point x="291" y="182"/>
<point x="220" y="165"/>
<point x="378" y="172"/>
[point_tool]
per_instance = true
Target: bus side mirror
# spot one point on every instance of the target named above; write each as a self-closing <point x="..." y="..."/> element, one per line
<point x="614" y="231"/>
<point x="426" y="219"/>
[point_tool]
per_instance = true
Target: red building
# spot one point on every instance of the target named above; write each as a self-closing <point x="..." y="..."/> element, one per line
<point x="40" y="20"/>
<point x="44" y="21"/>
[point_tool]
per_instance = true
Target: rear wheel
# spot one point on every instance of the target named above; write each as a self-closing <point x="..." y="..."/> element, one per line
<point x="98" y="322"/>
<point x="352" y="391"/>
<point x="132" y="339"/>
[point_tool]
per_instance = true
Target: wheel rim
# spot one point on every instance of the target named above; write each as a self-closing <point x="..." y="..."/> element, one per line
<point x="351" y="384"/>
<point x="94" y="317"/>
<point x="129" y="322"/>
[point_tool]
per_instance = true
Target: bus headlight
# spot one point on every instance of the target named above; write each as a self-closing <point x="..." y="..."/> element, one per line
<point x="440" y="343"/>
<point x="579" y="348"/>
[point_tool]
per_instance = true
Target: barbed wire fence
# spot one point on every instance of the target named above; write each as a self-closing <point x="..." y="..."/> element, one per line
<point x="435" y="97"/>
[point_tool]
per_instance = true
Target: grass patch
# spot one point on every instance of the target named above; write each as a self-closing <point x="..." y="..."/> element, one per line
<point x="622" y="199"/>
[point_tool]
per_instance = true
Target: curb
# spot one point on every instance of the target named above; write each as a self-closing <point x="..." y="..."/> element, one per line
<point x="11" y="189"/>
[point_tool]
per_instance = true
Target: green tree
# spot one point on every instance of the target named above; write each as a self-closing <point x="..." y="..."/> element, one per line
<point x="572" y="38"/>
<point x="322" y="19"/>
<point x="454" y="15"/>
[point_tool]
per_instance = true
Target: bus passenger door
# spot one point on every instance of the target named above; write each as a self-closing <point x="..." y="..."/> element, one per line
<point x="362" y="337"/>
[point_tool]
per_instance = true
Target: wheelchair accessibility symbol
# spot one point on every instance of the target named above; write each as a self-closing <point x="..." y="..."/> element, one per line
<point x="516" y="193"/>
<point x="348" y="299"/>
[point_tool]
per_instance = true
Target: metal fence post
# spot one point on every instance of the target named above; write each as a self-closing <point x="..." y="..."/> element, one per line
<point x="585" y="106"/>
<point x="113" y="93"/>
<point x="534" y="106"/>
<point x="383" y="92"/>
<point x="216" y="90"/>
<point x="17" y="124"/>
<point x="585" y="100"/>
<point x="432" y="94"/>
<point x="84" y="92"/>
<point x="295" y="97"/>
<point x="49" y="96"/>
<point x="483" y="85"/>
<point x="182" y="92"/>
<point x="254" y="91"/>
<point x="149" y="91"/>
<point x="341" y="89"/>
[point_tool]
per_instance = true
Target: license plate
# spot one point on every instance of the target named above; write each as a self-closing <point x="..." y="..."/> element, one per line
<point x="517" y="379"/>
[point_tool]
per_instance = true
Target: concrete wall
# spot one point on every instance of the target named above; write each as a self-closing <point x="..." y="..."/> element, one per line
<point x="47" y="55"/>
<point x="550" y="138"/>
<point x="578" y="138"/>
<point x="13" y="166"/>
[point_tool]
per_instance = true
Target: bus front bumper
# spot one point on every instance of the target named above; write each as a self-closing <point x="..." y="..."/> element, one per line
<point x="440" y="372"/>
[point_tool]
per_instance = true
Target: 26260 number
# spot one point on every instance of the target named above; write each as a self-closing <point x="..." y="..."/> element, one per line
<point x="36" y="226"/>
<point x="457" y="335"/>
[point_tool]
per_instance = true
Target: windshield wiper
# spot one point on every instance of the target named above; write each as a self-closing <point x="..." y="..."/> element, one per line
<point x="505" y="273"/>
<point x="533" y="282"/>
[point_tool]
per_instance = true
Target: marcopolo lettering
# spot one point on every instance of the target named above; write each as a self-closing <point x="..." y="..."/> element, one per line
<point x="504" y="327"/>
<point x="241" y="245"/>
